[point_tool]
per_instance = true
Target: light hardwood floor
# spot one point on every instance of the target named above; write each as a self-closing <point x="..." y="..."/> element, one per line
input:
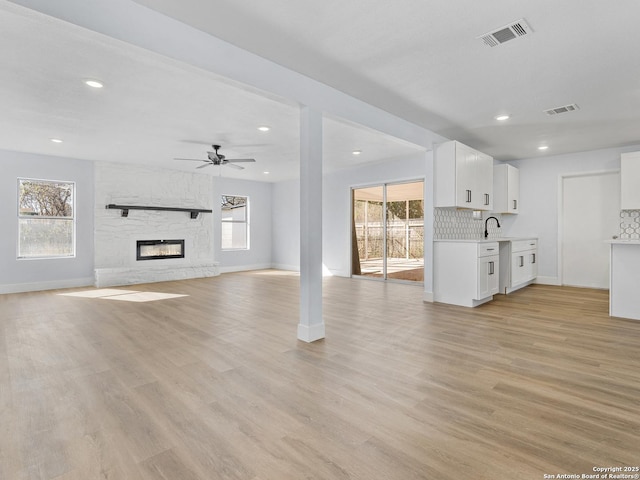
<point x="215" y="385"/>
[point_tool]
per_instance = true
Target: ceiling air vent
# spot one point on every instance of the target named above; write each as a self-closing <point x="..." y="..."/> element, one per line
<point x="563" y="109"/>
<point x="506" y="33"/>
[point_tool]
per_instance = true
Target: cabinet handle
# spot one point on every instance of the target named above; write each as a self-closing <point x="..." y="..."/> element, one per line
<point x="490" y="249"/>
<point x="533" y="258"/>
<point x="468" y="196"/>
<point x="515" y="204"/>
<point x="521" y="260"/>
<point x="486" y="199"/>
<point x="491" y="268"/>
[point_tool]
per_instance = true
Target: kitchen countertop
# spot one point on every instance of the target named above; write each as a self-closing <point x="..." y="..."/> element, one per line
<point x="623" y="241"/>
<point x="498" y="239"/>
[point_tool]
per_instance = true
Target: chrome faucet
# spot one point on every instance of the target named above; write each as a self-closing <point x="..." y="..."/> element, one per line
<point x="486" y="232"/>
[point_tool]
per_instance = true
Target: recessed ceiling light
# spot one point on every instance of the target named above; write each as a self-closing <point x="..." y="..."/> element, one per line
<point x="543" y="147"/>
<point x="502" y="118"/>
<point x="56" y="140"/>
<point x="94" y="83"/>
<point x="356" y="152"/>
<point x="266" y="173"/>
<point x="264" y="128"/>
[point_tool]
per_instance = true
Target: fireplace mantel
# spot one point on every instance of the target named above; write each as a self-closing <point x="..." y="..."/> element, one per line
<point x="125" y="209"/>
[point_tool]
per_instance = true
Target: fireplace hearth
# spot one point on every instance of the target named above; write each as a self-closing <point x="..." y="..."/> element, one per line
<point x="159" y="249"/>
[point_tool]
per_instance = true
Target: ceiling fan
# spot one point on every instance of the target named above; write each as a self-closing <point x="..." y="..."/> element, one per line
<point x="215" y="158"/>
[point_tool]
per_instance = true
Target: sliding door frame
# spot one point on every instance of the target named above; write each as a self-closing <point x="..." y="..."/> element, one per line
<point x="384" y="185"/>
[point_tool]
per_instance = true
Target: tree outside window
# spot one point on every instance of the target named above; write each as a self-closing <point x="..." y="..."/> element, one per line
<point x="235" y="222"/>
<point x="45" y="218"/>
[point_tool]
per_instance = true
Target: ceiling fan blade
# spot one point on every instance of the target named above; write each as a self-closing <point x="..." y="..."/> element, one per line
<point x="237" y="167"/>
<point x="192" y="159"/>
<point x="205" y="165"/>
<point x="237" y="160"/>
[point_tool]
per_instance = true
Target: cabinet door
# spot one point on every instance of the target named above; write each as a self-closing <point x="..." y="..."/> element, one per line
<point x="483" y="187"/>
<point x="519" y="267"/>
<point x="629" y="181"/>
<point x="494" y="274"/>
<point x="513" y="189"/>
<point x="506" y="189"/>
<point x="533" y="264"/>
<point x="465" y="176"/>
<point x="524" y="266"/>
<point x="487" y="277"/>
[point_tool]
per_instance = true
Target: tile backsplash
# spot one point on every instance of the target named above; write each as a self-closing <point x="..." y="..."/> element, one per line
<point x="453" y="223"/>
<point x="459" y="224"/>
<point x="630" y="224"/>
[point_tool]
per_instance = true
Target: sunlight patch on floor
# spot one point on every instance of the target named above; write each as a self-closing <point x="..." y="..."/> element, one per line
<point x="123" y="295"/>
<point x="100" y="293"/>
<point x="144" y="297"/>
<point x="276" y="272"/>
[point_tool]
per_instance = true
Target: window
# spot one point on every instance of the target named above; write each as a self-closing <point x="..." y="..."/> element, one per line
<point x="235" y="222"/>
<point x="46" y="220"/>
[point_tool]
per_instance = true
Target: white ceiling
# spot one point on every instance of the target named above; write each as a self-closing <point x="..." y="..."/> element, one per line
<point x="421" y="61"/>
<point x="416" y="59"/>
<point x="152" y="109"/>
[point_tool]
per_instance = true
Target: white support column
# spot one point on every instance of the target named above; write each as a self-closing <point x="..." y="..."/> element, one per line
<point x="311" y="326"/>
<point x="428" y="228"/>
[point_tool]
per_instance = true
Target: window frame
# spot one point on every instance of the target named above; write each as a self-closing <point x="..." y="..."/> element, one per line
<point x="245" y="222"/>
<point x="72" y="218"/>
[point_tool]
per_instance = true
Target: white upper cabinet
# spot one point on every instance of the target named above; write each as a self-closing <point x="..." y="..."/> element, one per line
<point x="506" y="189"/>
<point x="463" y="177"/>
<point x="630" y="181"/>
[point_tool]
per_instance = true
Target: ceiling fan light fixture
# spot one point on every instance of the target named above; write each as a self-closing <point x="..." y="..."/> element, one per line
<point x="217" y="159"/>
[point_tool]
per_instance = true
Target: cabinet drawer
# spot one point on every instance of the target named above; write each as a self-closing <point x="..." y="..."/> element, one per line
<point x="485" y="249"/>
<point x="522" y="245"/>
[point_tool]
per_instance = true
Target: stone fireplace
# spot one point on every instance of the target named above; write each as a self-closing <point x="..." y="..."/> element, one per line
<point x="160" y="239"/>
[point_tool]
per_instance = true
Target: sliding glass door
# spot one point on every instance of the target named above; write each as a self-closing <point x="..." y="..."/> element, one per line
<point x="388" y="231"/>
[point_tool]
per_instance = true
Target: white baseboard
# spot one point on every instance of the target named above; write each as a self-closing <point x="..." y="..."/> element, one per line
<point x="427" y="297"/>
<point x="547" y="281"/>
<point x="311" y="333"/>
<point x="245" y="268"/>
<point x="282" y="266"/>
<point x="336" y="273"/>
<point x="50" y="285"/>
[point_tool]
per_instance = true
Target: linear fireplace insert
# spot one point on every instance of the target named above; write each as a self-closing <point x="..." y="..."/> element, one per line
<point x="159" y="249"/>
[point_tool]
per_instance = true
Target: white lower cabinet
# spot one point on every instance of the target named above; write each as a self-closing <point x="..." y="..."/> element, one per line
<point x="519" y="264"/>
<point x="624" y="278"/>
<point x="465" y="272"/>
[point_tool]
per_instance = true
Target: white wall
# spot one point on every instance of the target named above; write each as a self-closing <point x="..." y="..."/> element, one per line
<point x="260" y="239"/>
<point x="538" y="210"/>
<point x="337" y="204"/>
<point x="42" y="274"/>
<point x="337" y="213"/>
<point x="285" y="251"/>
